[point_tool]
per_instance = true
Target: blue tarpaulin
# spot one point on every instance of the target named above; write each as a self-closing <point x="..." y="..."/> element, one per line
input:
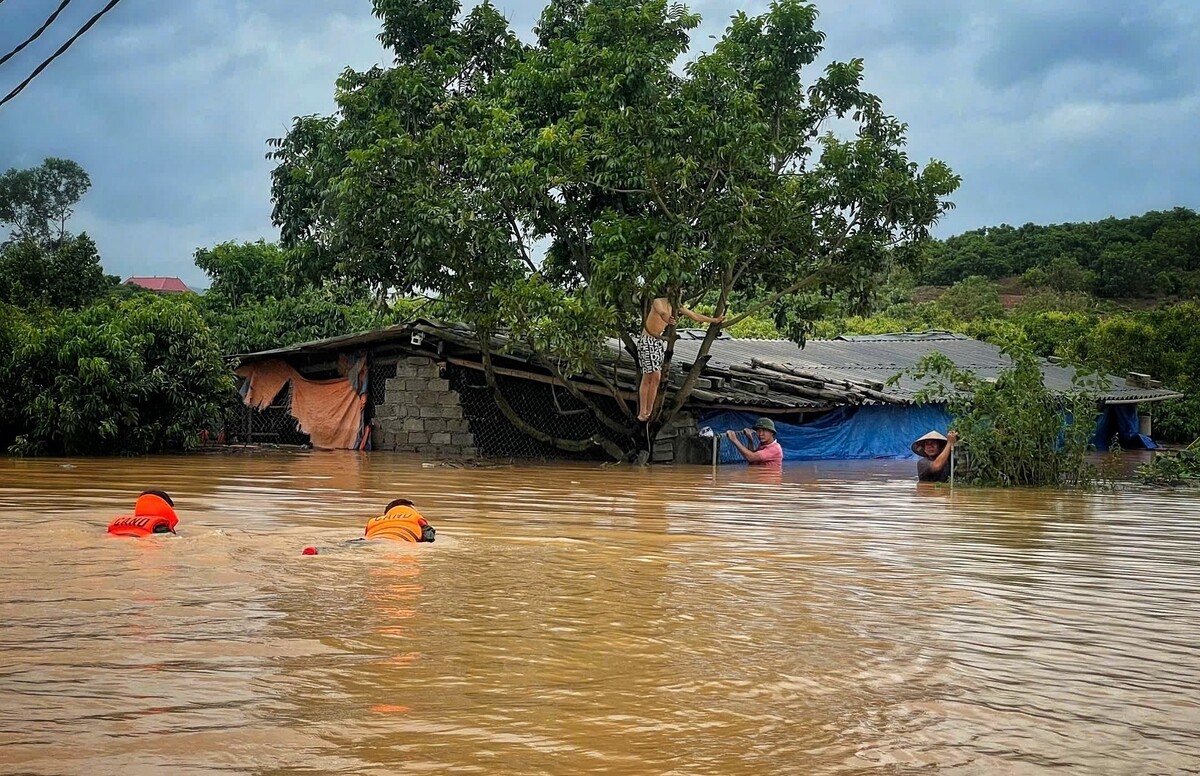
<point x="1121" y="421"/>
<point x="858" y="433"/>
<point x="848" y="433"/>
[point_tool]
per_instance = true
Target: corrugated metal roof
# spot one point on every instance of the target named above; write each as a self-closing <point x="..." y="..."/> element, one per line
<point x="853" y="363"/>
<point x="875" y="359"/>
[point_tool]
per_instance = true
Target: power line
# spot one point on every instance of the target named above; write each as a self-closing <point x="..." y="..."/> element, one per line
<point x="36" y="34"/>
<point x="21" y="86"/>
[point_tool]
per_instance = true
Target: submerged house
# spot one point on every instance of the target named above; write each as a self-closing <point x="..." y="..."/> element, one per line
<point x="422" y="387"/>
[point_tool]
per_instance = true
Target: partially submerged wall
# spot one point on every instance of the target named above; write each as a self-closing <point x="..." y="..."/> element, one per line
<point x="421" y="413"/>
<point x="677" y="442"/>
<point x="449" y="412"/>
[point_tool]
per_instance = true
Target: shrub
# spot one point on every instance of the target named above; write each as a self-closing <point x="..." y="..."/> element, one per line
<point x="1015" y="431"/>
<point x="972" y="299"/>
<point x="1172" y="467"/>
<point x="140" y="375"/>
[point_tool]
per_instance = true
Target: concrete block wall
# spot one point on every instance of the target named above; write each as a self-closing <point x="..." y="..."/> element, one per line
<point x="421" y="413"/>
<point x="674" y="440"/>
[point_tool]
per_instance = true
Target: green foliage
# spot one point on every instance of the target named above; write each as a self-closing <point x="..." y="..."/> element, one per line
<point x="1014" y="431"/>
<point x="62" y="273"/>
<point x="243" y="272"/>
<point x="258" y="301"/>
<point x="1172" y="467"/>
<point x="136" y="376"/>
<point x="1155" y="253"/>
<point x="312" y="314"/>
<point x="972" y="299"/>
<point x="36" y="203"/>
<point x="1062" y="274"/>
<point x="133" y="373"/>
<point x="639" y="175"/>
<point x="753" y="327"/>
<point x="1049" y="301"/>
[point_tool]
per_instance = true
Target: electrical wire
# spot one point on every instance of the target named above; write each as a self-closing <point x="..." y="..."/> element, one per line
<point x="21" y="86"/>
<point x="37" y="34"/>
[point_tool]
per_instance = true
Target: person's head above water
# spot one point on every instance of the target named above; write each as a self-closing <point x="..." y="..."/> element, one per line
<point x="153" y="513"/>
<point x="162" y="494"/>
<point x="764" y="429"/>
<point x="400" y="522"/>
<point x="930" y="445"/>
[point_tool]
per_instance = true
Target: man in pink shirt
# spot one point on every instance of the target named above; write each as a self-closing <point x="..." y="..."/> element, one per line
<point x="768" y="452"/>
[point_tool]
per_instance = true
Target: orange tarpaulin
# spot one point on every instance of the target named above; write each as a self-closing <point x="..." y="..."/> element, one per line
<point x="329" y="411"/>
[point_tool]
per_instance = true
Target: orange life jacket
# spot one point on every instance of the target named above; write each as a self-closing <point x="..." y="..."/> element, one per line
<point x="151" y="515"/>
<point x="400" y="524"/>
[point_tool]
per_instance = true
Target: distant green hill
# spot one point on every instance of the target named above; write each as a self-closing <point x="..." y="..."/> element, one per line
<point x="1154" y="254"/>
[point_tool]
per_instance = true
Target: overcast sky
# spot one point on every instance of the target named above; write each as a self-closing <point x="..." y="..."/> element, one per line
<point x="1050" y="110"/>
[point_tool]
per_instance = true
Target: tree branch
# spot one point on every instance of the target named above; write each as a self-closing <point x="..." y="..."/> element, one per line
<point x="512" y="222"/>
<point x="569" y="445"/>
<point x="812" y="279"/>
<point x="611" y="190"/>
<point x="600" y="414"/>
<point x="612" y="387"/>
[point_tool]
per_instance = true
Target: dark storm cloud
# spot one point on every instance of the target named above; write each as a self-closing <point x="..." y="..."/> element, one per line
<point x="169" y="106"/>
<point x="1051" y="110"/>
<point x="1142" y="41"/>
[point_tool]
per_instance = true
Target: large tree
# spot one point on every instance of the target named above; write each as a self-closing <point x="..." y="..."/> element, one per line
<point x="36" y="203"/>
<point x="64" y="273"/>
<point x="40" y="261"/>
<point x="549" y="189"/>
<point x="243" y="272"/>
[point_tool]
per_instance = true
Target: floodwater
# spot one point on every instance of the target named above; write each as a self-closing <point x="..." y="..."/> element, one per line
<point x="580" y="619"/>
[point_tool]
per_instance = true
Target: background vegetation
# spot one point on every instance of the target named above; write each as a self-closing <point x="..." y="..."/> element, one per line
<point x="721" y="183"/>
<point x="88" y="366"/>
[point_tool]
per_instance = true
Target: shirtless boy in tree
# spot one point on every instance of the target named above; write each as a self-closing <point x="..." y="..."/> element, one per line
<point x="652" y="347"/>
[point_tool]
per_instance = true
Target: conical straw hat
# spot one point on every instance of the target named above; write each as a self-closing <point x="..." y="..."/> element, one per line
<point x="916" y="446"/>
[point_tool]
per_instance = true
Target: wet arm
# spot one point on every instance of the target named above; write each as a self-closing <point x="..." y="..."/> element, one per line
<point x="698" y="318"/>
<point x="753" y="456"/>
<point x="939" y="463"/>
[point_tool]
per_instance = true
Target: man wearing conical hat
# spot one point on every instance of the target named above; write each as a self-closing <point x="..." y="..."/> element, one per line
<point x="935" y="451"/>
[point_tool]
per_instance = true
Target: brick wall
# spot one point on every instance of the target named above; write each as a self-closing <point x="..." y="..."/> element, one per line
<point x="421" y="413"/>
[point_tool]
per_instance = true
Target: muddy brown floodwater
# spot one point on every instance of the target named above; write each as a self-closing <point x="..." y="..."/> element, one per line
<point x="578" y="619"/>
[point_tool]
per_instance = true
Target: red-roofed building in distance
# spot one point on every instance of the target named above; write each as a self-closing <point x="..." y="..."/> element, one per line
<point x="160" y="285"/>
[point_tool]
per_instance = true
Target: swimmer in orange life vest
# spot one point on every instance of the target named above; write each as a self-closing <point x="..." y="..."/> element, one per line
<point x="400" y="522"/>
<point x="153" y="513"/>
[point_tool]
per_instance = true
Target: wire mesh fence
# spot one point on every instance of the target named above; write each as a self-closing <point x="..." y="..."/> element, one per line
<point x="547" y="408"/>
<point x="271" y="425"/>
<point x="378" y="373"/>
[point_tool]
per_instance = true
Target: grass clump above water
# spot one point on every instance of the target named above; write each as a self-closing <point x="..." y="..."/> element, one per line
<point x="1173" y="467"/>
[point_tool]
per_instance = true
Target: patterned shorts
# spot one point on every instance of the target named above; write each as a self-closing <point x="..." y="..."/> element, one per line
<point x="651" y="351"/>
